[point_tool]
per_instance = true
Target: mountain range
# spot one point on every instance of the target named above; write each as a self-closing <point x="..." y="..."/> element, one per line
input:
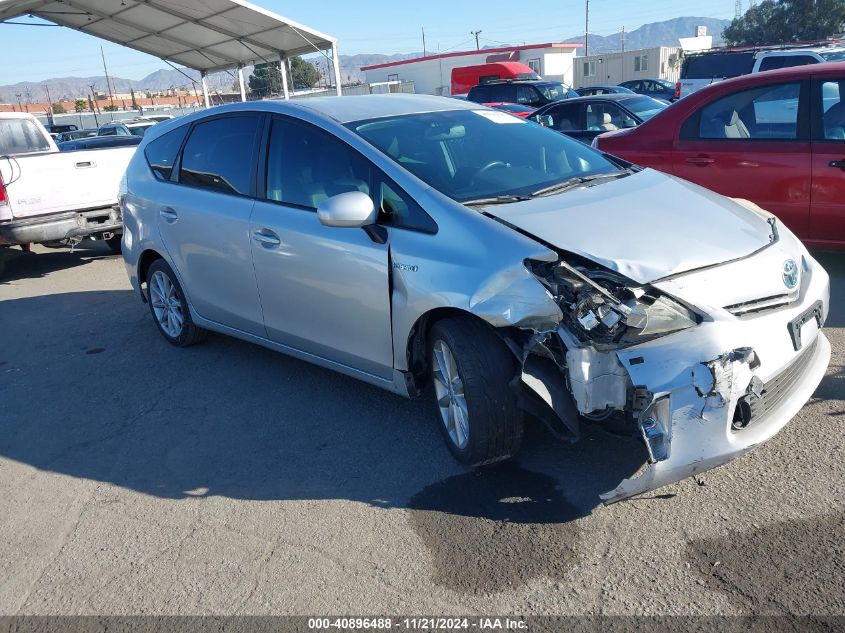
<point x="665" y="33"/>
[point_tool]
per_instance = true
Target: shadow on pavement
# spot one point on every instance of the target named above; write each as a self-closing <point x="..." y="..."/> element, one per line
<point x="21" y="265"/>
<point x="90" y="389"/>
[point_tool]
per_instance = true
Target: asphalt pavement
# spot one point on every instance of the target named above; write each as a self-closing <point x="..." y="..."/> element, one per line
<point x="228" y="479"/>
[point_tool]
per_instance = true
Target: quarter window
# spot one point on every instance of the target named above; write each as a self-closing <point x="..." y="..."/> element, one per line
<point x="161" y="153"/>
<point x="219" y="154"/>
<point x="770" y="112"/>
<point x="306" y="165"/>
<point x="396" y="208"/>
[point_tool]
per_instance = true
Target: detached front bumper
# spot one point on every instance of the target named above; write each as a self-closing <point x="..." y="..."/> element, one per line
<point x="61" y="226"/>
<point x="714" y="392"/>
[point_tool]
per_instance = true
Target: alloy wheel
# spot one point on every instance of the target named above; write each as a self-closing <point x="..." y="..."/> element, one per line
<point x="166" y="303"/>
<point x="449" y="389"/>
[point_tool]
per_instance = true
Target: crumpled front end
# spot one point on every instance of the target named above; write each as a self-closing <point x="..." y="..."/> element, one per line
<point x="703" y="366"/>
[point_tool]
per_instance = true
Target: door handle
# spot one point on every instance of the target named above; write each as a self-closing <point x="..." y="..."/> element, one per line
<point x="839" y="164"/>
<point x="700" y="161"/>
<point x="266" y="238"/>
<point x="168" y="214"/>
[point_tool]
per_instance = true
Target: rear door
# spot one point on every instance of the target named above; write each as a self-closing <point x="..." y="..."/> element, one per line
<point x="325" y="290"/>
<point x="827" y="213"/>
<point x="204" y="219"/>
<point x="753" y="144"/>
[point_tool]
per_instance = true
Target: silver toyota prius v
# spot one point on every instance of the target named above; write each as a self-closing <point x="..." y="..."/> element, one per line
<point x="428" y="245"/>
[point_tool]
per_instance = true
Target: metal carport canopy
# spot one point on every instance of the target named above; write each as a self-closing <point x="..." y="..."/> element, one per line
<point x="205" y="35"/>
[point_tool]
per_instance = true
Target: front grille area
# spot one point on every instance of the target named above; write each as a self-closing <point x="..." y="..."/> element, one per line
<point x="781" y="386"/>
<point x="747" y="308"/>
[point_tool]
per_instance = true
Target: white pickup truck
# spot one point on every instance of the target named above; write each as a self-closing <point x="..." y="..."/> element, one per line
<point x="52" y="196"/>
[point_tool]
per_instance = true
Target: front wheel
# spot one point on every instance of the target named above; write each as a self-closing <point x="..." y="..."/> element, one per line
<point x="169" y="307"/>
<point x="471" y="370"/>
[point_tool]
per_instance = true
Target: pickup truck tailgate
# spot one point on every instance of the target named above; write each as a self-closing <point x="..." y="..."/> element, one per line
<point x="43" y="183"/>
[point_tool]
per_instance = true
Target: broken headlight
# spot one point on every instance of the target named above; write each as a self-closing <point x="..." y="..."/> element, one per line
<point x="606" y="308"/>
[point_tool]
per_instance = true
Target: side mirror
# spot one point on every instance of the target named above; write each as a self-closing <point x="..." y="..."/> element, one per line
<point x="545" y="120"/>
<point x="350" y="209"/>
<point x="629" y="123"/>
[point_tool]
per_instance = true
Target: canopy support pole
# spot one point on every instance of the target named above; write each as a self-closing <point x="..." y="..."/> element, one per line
<point x="204" y="80"/>
<point x="336" y="64"/>
<point x="282" y="64"/>
<point x="241" y="81"/>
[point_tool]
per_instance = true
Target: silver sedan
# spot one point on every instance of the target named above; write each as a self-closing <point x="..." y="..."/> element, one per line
<point x="423" y="244"/>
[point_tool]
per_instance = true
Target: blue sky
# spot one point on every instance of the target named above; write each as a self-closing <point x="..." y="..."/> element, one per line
<point x="373" y="26"/>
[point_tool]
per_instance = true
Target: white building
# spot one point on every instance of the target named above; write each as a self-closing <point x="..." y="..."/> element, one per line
<point x="610" y="69"/>
<point x="433" y="74"/>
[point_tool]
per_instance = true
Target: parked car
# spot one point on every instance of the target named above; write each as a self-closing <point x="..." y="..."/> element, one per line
<point x="158" y="118"/>
<point x="74" y="135"/>
<point x="98" y="142"/>
<point x="655" y="88"/>
<point x="515" y="109"/>
<point x="357" y="234"/>
<point x="585" y="118"/>
<point x="465" y="77"/>
<point x="591" y="91"/>
<point x="528" y="92"/>
<point x="50" y="196"/>
<point x="132" y="127"/>
<point x="775" y="138"/>
<point x="702" y="69"/>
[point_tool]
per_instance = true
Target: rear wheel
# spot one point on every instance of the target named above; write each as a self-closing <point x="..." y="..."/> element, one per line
<point x="471" y="370"/>
<point x="169" y="307"/>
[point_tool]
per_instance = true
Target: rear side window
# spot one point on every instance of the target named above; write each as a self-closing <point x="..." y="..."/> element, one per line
<point x="161" y="153"/>
<point x="21" y="136"/>
<point x="717" y="65"/>
<point x="479" y="94"/>
<point x="786" y="61"/>
<point x="219" y="154"/>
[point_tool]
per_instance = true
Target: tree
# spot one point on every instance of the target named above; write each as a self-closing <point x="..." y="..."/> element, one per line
<point x="58" y="108"/>
<point x="110" y="108"/>
<point x="784" y="21"/>
<point x="80" y="104"/>
<point x="266" y="79"/>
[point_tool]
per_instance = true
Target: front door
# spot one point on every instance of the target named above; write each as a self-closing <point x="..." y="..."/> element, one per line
<point x="324" y="290"/>
<point x="204" y="220"/>
<point x="827" y="214"/>
<point x="753" y="144"/>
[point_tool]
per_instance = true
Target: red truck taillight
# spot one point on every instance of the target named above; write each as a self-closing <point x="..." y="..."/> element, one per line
<point x="678" y="90"/>
<point x="3" y="198"/>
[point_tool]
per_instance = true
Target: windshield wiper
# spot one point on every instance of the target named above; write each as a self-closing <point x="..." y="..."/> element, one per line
<point x="572" y="183"/>
<point x="505" y="199"/>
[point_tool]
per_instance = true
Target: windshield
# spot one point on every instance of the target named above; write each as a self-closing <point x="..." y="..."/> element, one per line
<point x="645" y="107"/>
<point x="833" y="56"/>
<point x="666" y="84"/>
<point x="476" y="154"/>
<point x="138" y="130"/>
<point x="21" y="136"/>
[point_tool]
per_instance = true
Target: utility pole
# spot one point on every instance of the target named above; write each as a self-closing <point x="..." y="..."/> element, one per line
<point x="108" y="82"/>
<point x="475" y="33"/>
<point x="623" y="39"/>
<point x="49" y="105"/>
<point x="587" y="29"/>
<point x="423" y="34"/>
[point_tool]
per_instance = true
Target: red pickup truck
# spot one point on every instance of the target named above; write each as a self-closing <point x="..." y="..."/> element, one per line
<point x="776" y="138"/>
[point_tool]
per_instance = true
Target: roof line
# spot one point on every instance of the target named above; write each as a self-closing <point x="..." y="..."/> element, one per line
<point x="504" y="49"/>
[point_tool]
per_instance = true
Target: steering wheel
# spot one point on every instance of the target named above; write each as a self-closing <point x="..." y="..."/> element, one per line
<point x="493" y="164"/>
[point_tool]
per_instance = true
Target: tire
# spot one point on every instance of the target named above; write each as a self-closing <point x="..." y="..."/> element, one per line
<point x="2" y="260"/>
<point x="485" y="367"/>
<point x="115" y="244"/>
<point x="168" y="307"/>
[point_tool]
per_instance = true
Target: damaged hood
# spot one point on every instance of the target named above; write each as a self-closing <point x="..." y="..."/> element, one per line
<point x="645" y="226"/>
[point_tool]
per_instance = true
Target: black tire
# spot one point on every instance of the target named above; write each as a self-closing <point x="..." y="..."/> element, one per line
<point x="189" y="334"/>
<point x="115" y="244"/>
<point x="486" y="367"/>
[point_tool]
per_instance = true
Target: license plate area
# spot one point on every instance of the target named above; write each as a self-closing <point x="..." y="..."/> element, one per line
<point x="815" y="311"/>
